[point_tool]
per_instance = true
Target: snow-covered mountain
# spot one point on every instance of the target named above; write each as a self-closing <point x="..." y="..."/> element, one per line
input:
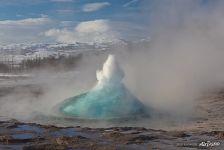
<point x="58" y="46"/>
<point x="22" y="51"/>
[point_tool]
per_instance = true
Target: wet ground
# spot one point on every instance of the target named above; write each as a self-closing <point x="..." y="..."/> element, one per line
<point x="16" y="135"/>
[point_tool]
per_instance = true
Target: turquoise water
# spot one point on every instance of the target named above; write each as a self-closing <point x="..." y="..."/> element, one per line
<point x="109" y="99"/>
<point x="102" y="102"/>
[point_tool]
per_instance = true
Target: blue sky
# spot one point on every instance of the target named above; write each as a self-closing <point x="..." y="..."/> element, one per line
<point x="70" y="21"/>
<point x="11" y="9"/>
<point x="34" y="18"/>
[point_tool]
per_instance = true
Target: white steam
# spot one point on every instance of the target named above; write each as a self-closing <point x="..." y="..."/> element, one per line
<point x="184" y="58"/>
<point x="110" y="72"/>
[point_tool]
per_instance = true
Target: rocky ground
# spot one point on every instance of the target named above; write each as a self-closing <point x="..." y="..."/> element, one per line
<point x="17" y="135"/>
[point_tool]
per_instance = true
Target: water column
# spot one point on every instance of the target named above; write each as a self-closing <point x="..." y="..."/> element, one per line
<point x="109" y="98"/>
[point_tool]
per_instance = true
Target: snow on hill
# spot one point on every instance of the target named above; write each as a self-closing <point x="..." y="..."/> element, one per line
<point x="18" y="52"/>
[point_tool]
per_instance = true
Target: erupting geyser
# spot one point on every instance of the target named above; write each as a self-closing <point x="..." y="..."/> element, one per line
<point x="108" y="99"/>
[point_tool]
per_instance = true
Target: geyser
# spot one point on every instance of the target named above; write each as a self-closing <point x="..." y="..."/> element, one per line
<point x="109" y="98"/>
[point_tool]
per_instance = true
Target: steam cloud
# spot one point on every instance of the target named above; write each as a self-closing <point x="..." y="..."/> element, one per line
<point x="184" y="58"/>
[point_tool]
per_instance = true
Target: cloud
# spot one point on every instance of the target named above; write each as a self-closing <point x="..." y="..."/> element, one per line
<point x="19" y="15"/>
<point x="25" y="22"/>
<point x="90" y="7"/>
<point x="96" y="31"/>
<point x="130" y="3"/>
<point x="66" y="23"/>
<point x="44" y="16"/>
<point x="100" y="25"/>
<point x="24" y="30"/>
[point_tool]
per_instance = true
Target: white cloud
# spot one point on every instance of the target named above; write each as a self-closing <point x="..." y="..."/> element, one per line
<point x="66" y="23"/>
<point x="19" y="15"/>
<point x="130" y="3"/>
<point x="99" y="25"/>
<point x="96" y="31"/>
<point x="44" y="16"/>
<point x="24" y="30"/>
<point x="25" y="22"/>
<point x="90" y="7"/>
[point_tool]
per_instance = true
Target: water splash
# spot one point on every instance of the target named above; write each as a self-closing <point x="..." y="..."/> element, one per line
<point x="109" y="98"/>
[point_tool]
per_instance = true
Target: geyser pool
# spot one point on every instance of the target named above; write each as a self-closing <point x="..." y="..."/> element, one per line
<point x="109" y="98"/>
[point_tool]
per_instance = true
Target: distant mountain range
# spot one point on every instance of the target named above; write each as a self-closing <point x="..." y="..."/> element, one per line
<point x="33" y="50"/>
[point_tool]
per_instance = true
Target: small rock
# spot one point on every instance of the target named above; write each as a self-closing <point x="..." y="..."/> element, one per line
<point x="64" y="140"/>
<point x="219" y="134"/>
<point x="178" y="134"/>
<point x="141" y="139"/>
